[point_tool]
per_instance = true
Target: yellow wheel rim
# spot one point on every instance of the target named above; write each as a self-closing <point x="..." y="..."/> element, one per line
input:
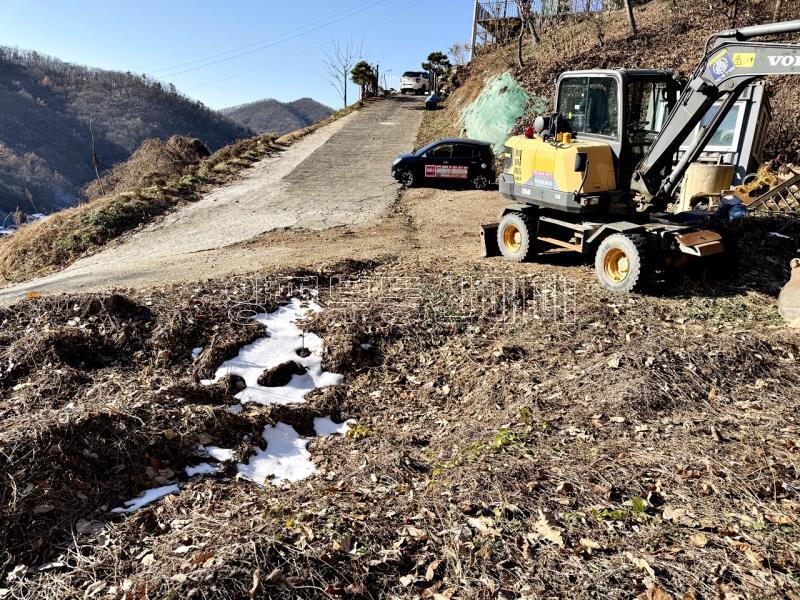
<point x="512" y="238"/>
<point x="616" y="265"/>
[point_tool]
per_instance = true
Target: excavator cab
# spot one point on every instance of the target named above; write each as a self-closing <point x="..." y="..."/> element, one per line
<point x="623" y="108"/>
<point x="582" y="161"/>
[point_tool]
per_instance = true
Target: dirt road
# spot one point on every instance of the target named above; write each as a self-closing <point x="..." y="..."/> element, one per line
<point x="337" y="176"/>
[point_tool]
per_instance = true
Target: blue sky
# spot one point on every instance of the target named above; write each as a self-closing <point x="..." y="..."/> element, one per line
<point x="282" y="42"/>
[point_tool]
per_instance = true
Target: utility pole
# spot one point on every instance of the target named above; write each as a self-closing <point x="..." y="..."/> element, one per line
<point x="377" y="80"/>
<point x="474" y="31"/>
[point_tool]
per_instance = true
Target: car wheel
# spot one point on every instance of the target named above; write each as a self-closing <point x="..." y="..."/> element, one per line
<point x="408" y="179"/>
<point x="480" y="182"/>
<point x="516" y="236"/>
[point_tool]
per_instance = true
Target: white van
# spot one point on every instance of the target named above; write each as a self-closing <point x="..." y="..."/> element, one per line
<point x="415" y="82"/>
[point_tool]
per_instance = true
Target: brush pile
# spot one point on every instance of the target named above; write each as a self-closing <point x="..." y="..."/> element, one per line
<point x="616" y="447"/>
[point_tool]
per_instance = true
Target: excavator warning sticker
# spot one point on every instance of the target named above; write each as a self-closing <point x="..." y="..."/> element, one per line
<point x="446" y="171"/>
<point x="744" y="59"/>
<point x="720" y="65"/>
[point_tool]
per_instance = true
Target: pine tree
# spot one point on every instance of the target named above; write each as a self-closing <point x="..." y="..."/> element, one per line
<point x="437" y="65"/>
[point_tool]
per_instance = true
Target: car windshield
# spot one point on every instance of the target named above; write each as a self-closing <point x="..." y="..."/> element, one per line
<point x="411" y="74"/>
<point x="424" y="149"/>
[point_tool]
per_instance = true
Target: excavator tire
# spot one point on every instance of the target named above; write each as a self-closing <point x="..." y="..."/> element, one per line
<point x="516" y="236"/>
<point x="623" y="262"/>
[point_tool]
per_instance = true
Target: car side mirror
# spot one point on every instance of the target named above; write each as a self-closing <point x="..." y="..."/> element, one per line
<point x="581" y="162"/>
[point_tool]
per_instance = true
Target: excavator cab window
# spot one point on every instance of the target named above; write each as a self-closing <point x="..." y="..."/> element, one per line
<point x="590" y="105"/>
<point x="728" y="132"/>
<point x="648" y="107"/>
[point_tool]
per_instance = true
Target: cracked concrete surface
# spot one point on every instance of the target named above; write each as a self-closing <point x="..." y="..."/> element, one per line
<point x="338" y="175"/>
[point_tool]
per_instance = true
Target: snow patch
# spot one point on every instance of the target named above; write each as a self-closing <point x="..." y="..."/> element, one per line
<point x="284" y="340"/>
<point x="146" y="497"/>
<point x="202" y="469"/>
<point x="286" y="458"/>
<point x="235" y="409"/>
<point x="196" y="352"/>
<point x="325" y="426"/>
<point x="217" y="453"/>
<point x="366" y="346"/>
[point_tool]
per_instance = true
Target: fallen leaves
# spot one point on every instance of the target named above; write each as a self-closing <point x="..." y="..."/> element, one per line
<point x="588" y="545"/>
<point x="483" y="525"/>
<point x="755" y="558"/>
<point x="641" y="563"/>
<point x="680" y="516"/>
<point x="698" y="540"/>
<point x="548" y="529"/>
<point x="655" y="593"/>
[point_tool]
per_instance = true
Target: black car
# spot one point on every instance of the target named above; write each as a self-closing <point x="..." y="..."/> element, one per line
<point x="452" y="160"/>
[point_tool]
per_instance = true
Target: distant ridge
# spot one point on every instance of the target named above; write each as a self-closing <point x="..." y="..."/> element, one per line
<point x="271" y="115"/>
<point x="45" y="139"/>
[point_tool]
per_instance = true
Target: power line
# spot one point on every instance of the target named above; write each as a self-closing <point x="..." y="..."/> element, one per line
<point x="306" y="50"/>
<point x="256" y="43"/>
<point x="297" y="35"/>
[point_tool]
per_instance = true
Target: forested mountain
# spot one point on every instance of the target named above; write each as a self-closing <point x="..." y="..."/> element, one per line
<point x="46" y="107"/>
<point x="280" y="117"/>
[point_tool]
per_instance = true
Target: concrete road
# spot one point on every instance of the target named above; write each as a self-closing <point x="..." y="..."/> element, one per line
<point x="338" y="175"/>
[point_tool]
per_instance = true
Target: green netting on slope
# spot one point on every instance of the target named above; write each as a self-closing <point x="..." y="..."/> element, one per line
<point x="495" y="111"/>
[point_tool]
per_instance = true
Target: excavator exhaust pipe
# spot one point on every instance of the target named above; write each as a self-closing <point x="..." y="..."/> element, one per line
<point x="789" y="298"/>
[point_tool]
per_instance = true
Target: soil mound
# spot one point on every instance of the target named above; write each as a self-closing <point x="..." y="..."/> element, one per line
<point x="154" y="161"/>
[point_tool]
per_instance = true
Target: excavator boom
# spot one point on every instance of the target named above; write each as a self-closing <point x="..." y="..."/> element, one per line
<point x="730" y="64"/>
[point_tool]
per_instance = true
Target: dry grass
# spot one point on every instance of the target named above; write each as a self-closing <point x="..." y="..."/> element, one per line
<point x="153" y="163"/>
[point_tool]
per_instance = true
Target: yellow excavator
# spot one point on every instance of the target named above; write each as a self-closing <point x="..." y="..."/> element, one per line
<point x="597" y="174"/>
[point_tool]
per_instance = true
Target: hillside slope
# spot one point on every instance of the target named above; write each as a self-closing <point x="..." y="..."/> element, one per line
<point x="273" y="116"/>
<point x="671" y="37"/>
<point x="45" y="138"/>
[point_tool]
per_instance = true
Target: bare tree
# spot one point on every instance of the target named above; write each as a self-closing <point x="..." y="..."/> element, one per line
<point x="95" y="162"/>
<point x="338" y="64"/>
<point x="629" y="10"/>
<point x="526" y="24"/>
<point x="458" y="53"/>
<point x="777" y="13"/>
<point x="733" y="11"/>
<point x="599" y="29"/>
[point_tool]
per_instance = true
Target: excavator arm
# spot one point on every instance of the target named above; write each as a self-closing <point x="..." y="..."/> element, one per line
<point x="730" y="64"/>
